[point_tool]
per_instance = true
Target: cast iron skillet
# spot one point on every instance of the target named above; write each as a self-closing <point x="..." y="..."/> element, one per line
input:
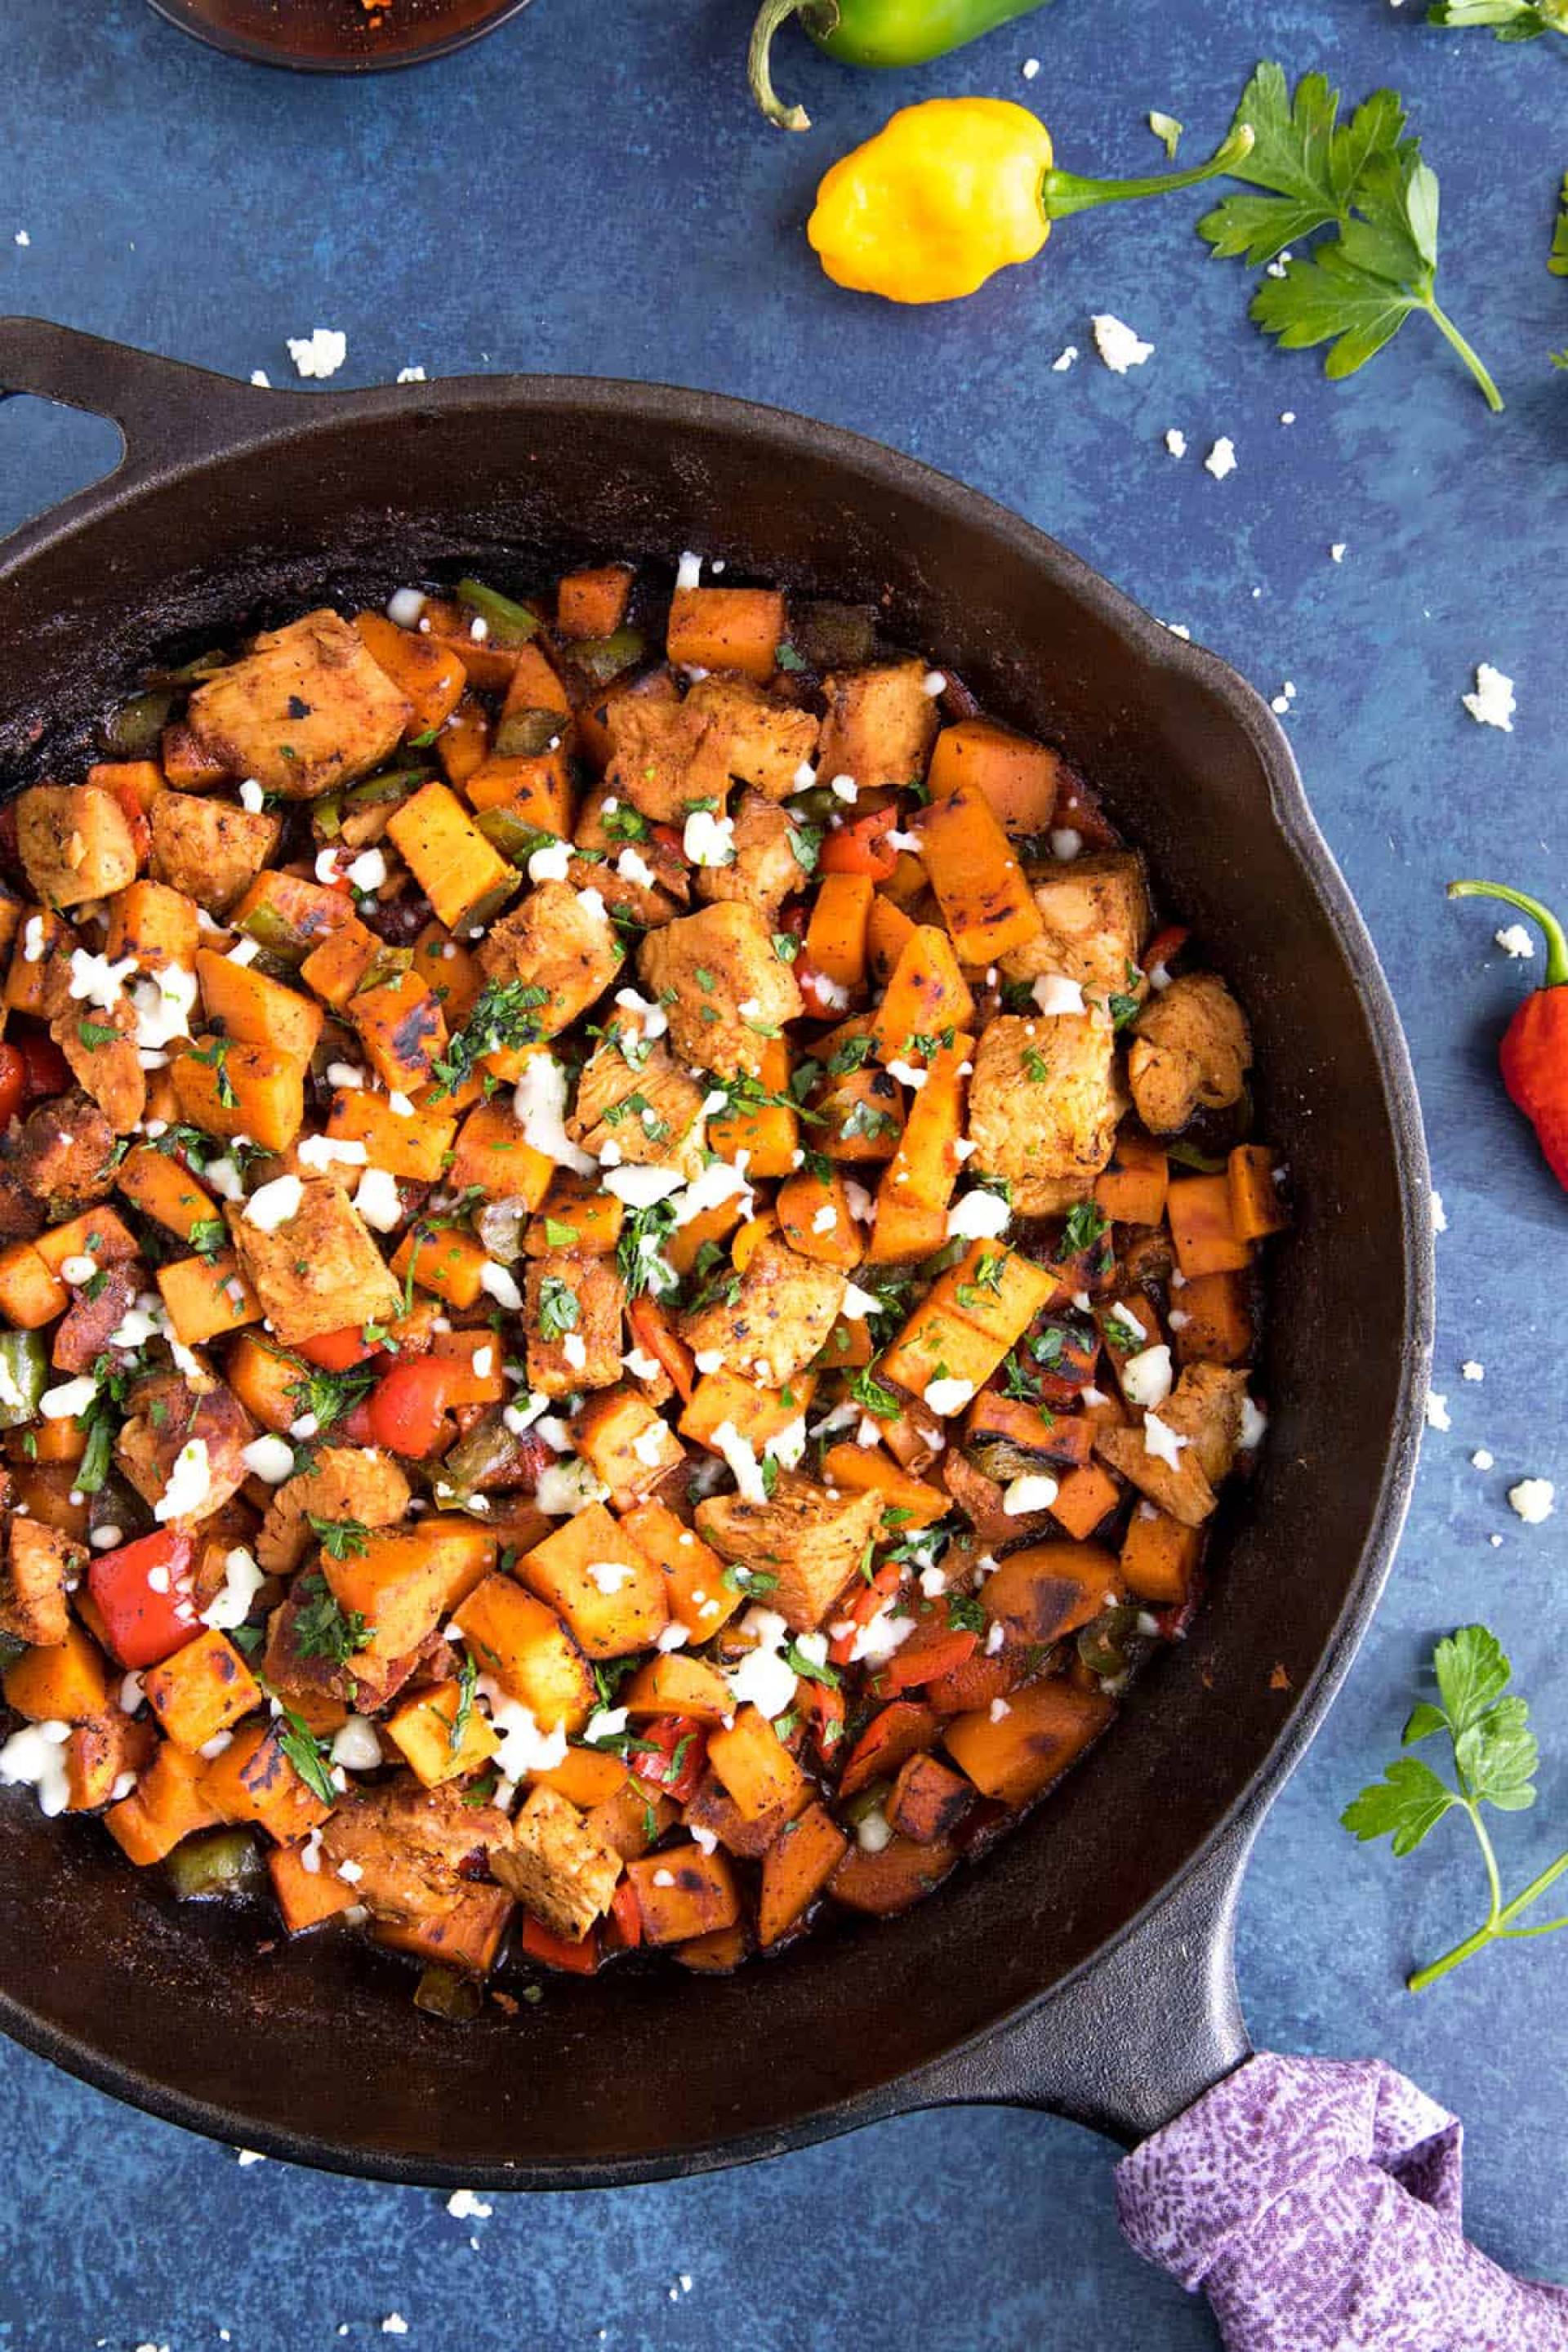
<point x="1087" y="1966"/>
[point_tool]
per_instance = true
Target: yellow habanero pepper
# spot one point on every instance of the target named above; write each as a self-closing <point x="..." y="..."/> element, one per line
<point x="952" y="191"/>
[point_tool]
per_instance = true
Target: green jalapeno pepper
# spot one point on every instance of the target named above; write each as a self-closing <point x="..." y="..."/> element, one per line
<point x="870" y="33"/>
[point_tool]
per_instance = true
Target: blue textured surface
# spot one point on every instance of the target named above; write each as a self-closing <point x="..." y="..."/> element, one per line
<point x="588" y="192"/>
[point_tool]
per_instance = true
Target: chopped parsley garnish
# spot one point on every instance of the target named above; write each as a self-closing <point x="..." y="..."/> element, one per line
<point x="964" y="1613"/>
<point x="756" y="1583"/>
<point x="309" y="1756"/>
<point x="99" y="1032"/>
<point x="878" y="1400"/>
<point x="807" y="1668"/>
<point x="216" y="1057"/>
<point x="559" y="1311"/>
<point x="323" y="1628"/>
<point x="503" y="1020"/>
<point x="341" y="1538"/>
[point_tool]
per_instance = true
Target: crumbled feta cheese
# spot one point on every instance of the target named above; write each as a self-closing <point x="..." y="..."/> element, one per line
<point x="319" y="354"/>
<point x="1000" y="1710"/>
<point x="95" y="981"/>
<point x="33" y="943"/>
<point x="1221" y="458"/>
<point x="273" y="1205"/>
<point x="356" y="1746"/>
<point x="550" y="862"/>
<point x="844" y="788"/>
<point x="404" y="605"/>
<point x="764" y="1678"/>
<point x="1439" y="1215"/>
<point x="69" y="1400"/>
<point x="1122" y="1315"/>
<point x="77" y="1269"/>
<point x="344" y="1074"/>
<point x="270" y="1458"/>
<point x="498" y="1283"/>
<point x="34" y="1758"/>
<point x="1437" y="1411"/>
<point x="368" y="871"/>
<point x="1056" y="994"/>
<point x="1253" y="1425"/>
<point x="1064" y="360"/>
<point x="1146" y="1377"/>
<point x="709" y="839"/>
<point x="1177" y="442"/>
<point x="1066" y="842"/>
<point x="1483" y="1460"/>
<point x="640" y="1187"/>
<point x="411" y="375"/>
<point x="741" y="1456"/>
<point x="1492" y="703"/>
<point x="977" y="1217"/>
<point x="464" y="2205"/>
<point x="566" y="1487"/>
<point x="1514" y="940"/>
<point x="1117" y="344"/>
<point x="1165" y="1444"/>
<point x="689" y="571"/>
<point x="1532" y="1500"/>
<point x="947" y="1396"/>
<point x="242" y="1579"/>
<point x="322" y="1151"/>
<point x="189" y="1489"/>
<point x="163" y="1003"/>
<point x="1472" y="1371"/>
<point x="934" y="683"/>
<point x="378" y="1200"/>
<point x="539" y="1104"/>
<point x="1032" y="1491"/>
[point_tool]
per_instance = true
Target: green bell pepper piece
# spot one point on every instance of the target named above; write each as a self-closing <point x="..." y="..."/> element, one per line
<point x="27" y="1362"/>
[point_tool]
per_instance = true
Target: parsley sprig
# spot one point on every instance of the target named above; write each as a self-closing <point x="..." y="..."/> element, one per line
<point x="1508" y="20"/>
<point x="1363" y="179"/>
<point x="1495" y="1758"/>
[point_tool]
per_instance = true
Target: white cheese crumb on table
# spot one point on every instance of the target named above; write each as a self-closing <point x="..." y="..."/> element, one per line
<point x="319" y="354"/>
<point x="1492" y="704"/>
<point x="1117" y="344"/>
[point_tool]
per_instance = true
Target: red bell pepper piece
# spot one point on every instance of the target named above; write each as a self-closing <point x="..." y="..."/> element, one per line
<point x="1164" y="944"/>
<point x="578" y="1958"/>
<point x="46" y="1070"/>
<point x="1534" y="1055"/>
<point x="673" y="1756"/>
<point x="623" y="1929"/>
<point x="652" y="1329"/>
<point x="823" y="1706"/>
<point x="13" y="1084"/>
<point x="338" y="1351"/>
<point x="406" y="1410"/>
<point x="924" y="1657"/>
<point x="861" y="847"/>
<point x="863" y="1608"/>
<point x="142" y="1593"/>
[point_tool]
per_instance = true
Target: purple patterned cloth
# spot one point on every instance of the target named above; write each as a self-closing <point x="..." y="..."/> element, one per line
<point x="1317" y="2203"/>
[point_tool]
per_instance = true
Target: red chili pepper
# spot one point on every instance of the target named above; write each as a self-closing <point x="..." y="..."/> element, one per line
<point x="579" y="1958"/>
<point x="145" y="1621"/>
<point x="46" y="1070"/>
<point x="861" y="847"/>
<point x="681" y="1759"/>
<point x="13" y="1084"/>
<point x="623" y="1929"/>
<point x="337" y="1351"/>
<point x="1534" y="1055"/>
<point x="406" y="1408"/>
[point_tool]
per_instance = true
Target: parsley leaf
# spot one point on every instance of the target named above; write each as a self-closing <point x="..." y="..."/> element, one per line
<point x="501" y="1020"/>
<point x="559" y="1311"/>
<point x="1365" y="180"/>
<point x="1508" y="20"/>
<point x="309" y="1756"/>
<point x="639" y="1253"/>
<point x="329" y="1395"/>
<point x="97" y="1032"/>
<point x="216" y="1056"/>
<point x="756" y="1583"/>
<point x="807" y="1668"/>
<point x="341" y="1538"/>
<point x="879" y="1402"/>
<point x="467" y="1683"/>
<point x="1495" y="1758"/>
<point x="1558" y="261"/>
<point x="323" y="1628"/>
<point x="964" y="1613"/>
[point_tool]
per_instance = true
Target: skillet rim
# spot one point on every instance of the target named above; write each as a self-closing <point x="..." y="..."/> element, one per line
<point x="246" y="420"/>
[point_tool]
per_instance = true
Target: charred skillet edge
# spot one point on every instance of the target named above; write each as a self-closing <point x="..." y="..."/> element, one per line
<point x="1155" y="2011"/>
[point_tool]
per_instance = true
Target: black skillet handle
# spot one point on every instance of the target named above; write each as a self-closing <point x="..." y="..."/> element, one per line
<point x="166" y="412"/>
<point x="1135" y="2038"/>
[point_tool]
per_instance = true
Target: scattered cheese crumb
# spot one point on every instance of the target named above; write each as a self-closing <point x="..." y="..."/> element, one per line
<point x="1472" y="1371"/>
<point x="1492" y="703"/>
<point x="1437" y="1411"/>
<point x="1483" y="1460"/>
<point x="1117" y="344"/>
<point x="1532" y="1500"/>
<point x="1064" y="360"/>
<point x="1514" y="940"/>
<point x="1221" y="458"/>
<point x="1440" y="1216"/>
<point x="1177" y="442"/>
<point x="319" y="354"/>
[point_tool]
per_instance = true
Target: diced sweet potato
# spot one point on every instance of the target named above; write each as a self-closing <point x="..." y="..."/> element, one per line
<point x="1048" y="1589"/>
<point x="1015" y="1757"/>
<point x="885" y="1882"/>
<point x="928" y="1802"/>
<point x="404" y="1585"/>
<point x="797" y="1866"/>
<point x="253" y="1780"/>
<point x="170" y="1801"/>
<point x="529" y="1652"/>
<point x="756" y="1769"/>
<point x="204" y="1688"/>
<point x="609" y="1592"/>
<point x="66" y="1682"/>
<point x="682" y="1892"/>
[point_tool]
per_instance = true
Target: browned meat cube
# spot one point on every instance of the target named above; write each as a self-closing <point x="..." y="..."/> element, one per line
<point x="649" y="1109"/>
<point x="345" y="1481"/>
<point x="41" y="1564"/>
<point x="210" y="850"/>
<point x="765" y="870"/>
<point x="168" y="1417"/>
<point x="317" y="1269"/>
<point x="778" y="1320"/>
<point x="410" y="1844"/>
<point x="305" y="710"/>
<point x="811" y="1539"/>
<point x="724" y="989"/>
<point x="879" y="728"/>
<point x="66" y="1152"/>
<point x="1190" y="1051"/>
<point x="1042" y="1104"/>
<point x="574" y="1306"/>
<point x="1200" y="1425"/>
<point x="761" y="742"/>
<point x="555" y="1866"/>
<point x="75" y="843"/>
<point x="666" y="756"/>
<point x="97" y="1307"/>
<point x="1096" y="915"/>
<point x="101" y="1048"/>
<point x="559" y="940"/>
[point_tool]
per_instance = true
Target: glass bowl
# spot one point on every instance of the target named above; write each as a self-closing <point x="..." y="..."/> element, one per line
<point x="338" y="36"/>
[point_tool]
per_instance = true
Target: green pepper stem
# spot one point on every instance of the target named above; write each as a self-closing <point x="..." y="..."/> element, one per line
<point x="1556" y="943"/>
<point x="820" y="18"/>
<point x="1063" y="192"/>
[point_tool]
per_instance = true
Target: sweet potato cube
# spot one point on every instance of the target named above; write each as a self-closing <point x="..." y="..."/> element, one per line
<point x="981" y="888"/>
<point x="1084" y="1497"/>
<point x="1205" y="1240"/>
<point x="628" y="1446"/>
<point x="1019" y="779"/>
<point x="757" y="1771"/>
<point x="227" y="1089"/>
<point x="1046" y="1727"/>
<point x="1159" y="1557"/>
<point x="99" y="1751"/>
<point x="207" y="1296"/>
<point x="253" y="1780"/>
<point x="466" y="1935"/>
<point x="884" y="1882"/>
<point x="727" y="628"/>
<point x="466" y="880"/>
<point x="154" y="1182"/>
<point x="699" y="1595"/>
<point x="1256" y="1204"/>
<point x="1212" y="1322"/>
<point x="404" y="1585"/>
<point x="444" y="1259"/>
<point x="865" y="1470"/>
<point x="202" y="1689"/>
<point x="402" y="1029"/>
<point x="795" y="1868"/>
<point x="306" y="1896"/>
<point x="674" y="1684"/>
<point x="928" y="1802"/>
<point x="529" y="1652"/>
<point x="156" y="925"/>
<point x="415" y="1146"/>
<point x="926" y="994"/>
<point x="610" y="1593"/>
<point x="243" y="1003"/>
<point x="683" y="1891"/>
<point x="427" y="673"/>
<point x="1050" y="1589"/>
<point x="593" y="603"/>
<point x="425" y="1729"/>
<point x="493" y="1154"/>
<point x="170" y="1801"/>
<point x="67" y="1683"/>
<point x="30" y="1296"/>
